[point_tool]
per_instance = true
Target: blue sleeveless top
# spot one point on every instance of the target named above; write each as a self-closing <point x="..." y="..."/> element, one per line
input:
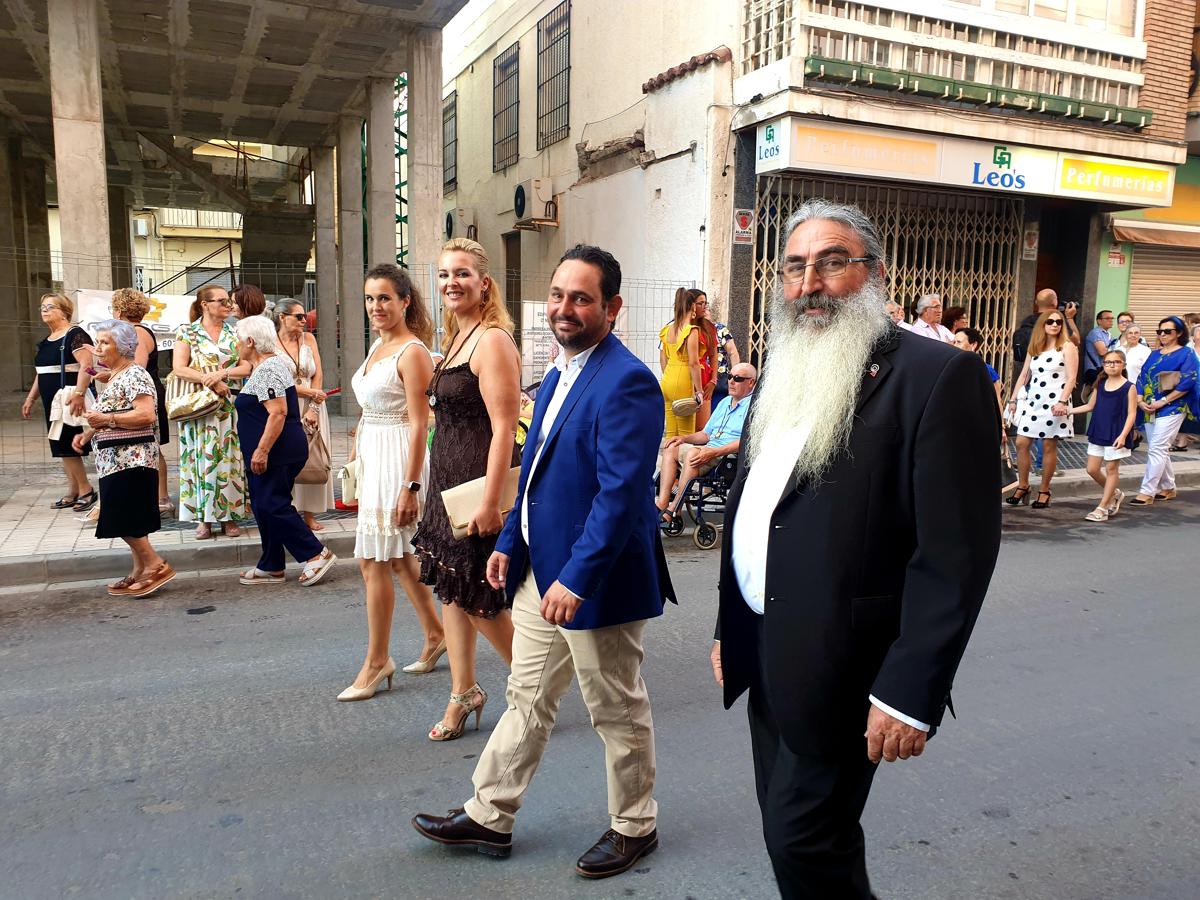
<point x="1108" y="418"/>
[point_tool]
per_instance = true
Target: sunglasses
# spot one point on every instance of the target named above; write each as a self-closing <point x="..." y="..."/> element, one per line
<point x="1054" y="321"/>
<point x="1165" y="331"/>
<point x="300" y="317"/>
<point x="740" y="378"/>
<point x="229" y="304"/>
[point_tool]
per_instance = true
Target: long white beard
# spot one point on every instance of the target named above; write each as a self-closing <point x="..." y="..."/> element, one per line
<point x="813" y="372"/>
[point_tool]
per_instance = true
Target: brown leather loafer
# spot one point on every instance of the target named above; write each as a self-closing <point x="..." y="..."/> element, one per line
<point x="458" y="828"/>
<point x="615" y="853"/>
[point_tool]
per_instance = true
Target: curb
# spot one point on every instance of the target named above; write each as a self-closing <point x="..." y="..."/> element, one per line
<point x="1077" y="483"/>
<point x="57" y="568"/>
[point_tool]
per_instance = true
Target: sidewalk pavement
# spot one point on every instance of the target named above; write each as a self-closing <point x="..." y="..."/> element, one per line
<point x="41" y="546"/>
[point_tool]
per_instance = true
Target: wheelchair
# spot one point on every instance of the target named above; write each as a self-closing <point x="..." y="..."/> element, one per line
<point x="703" y="499"/>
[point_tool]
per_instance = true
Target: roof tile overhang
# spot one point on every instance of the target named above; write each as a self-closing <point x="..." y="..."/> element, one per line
<point x="721" y="54"/>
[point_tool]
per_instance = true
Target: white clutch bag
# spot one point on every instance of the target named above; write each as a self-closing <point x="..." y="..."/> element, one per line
<point x="462" y="500"/>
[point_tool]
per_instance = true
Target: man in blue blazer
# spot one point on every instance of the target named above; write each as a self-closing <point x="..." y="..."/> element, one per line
<point x="581" y="559"/>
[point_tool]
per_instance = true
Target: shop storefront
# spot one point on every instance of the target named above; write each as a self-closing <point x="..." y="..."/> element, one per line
<point x="1152" y="261"/>
<point x="951" y="211"/>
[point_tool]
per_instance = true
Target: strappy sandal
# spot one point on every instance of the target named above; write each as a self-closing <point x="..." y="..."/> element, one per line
<point x="443" y="732"/>
<point x="148" y="584"/>
<point x="1020" y="496"/>
<point x="1039" y="503"/>
<point x="315" y="569"/>
<point x="117" y="588"/>
<point x="86" y="501"/>
<point x="1099" y="514"/>
<point x="258" y="576"/>
<point x="65" y="502"/>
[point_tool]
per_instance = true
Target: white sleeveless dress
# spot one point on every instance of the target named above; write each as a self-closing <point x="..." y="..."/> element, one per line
<point x="1047" y="378"/>
<point x="311" y="498"/>
<point x="383" y="442"/>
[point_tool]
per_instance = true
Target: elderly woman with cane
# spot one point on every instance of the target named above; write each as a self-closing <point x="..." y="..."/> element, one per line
<point x="121" y="428"/>
<point x="273" y="441"/>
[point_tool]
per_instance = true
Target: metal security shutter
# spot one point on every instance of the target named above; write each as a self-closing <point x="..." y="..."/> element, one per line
<point x="1164" y="281"/>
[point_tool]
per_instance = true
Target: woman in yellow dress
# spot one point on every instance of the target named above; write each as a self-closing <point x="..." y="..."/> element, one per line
<point x="679" y="356"/>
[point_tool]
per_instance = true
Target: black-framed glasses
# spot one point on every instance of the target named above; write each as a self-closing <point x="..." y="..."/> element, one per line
<point x="1114" y="362"/>
<point x="827" y="267"/>
<point x="740" y="378"/>
<point x="1054" y="321"/>
<point x="1166" y="331"/>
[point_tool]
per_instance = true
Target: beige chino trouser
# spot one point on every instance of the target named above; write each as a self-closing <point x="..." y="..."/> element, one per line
<point x="608" y="662"/>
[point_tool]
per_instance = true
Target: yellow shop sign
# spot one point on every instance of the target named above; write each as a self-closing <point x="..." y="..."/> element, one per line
<point x="1119" y="181"/>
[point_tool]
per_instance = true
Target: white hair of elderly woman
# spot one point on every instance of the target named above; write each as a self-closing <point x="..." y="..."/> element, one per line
<point x="123" y="335"/>
<point x="260" y="330"/>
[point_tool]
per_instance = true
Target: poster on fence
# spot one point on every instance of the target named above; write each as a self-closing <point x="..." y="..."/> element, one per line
<point x="167" y="313"/>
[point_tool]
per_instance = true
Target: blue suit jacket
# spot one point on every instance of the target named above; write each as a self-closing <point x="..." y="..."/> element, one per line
<point x="592" y="519"/>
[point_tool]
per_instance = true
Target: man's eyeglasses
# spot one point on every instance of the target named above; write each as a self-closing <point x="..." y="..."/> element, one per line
<point x="740" y="378"/>
<point x="1165" y="331"/>
<point x="827" y="267"/>
<point x="1054" y="321"/>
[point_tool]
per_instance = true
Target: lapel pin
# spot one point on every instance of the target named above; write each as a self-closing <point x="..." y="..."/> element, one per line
<point x="874" y="370"/>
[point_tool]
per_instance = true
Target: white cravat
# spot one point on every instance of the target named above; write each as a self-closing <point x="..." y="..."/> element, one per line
<point x="770" y="474"/>
<point x="568" y="373"/>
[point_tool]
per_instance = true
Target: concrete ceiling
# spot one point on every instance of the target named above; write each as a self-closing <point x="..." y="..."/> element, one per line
<point x="267" y="71"/>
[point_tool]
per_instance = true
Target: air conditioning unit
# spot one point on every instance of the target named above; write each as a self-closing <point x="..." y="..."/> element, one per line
<point x="141" y="228"/>
<point x="460" y="223"/>
<point x="531" y="196"/>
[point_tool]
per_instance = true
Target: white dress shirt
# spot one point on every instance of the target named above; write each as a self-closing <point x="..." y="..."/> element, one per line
<point x="568" y="373"/>
<point x="936" y="331"/>
<point x="770" y="475"/>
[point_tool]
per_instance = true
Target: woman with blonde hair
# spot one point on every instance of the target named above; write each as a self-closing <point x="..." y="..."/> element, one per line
<point x="476" y="393"/>
<point x="131" y="305"/>
<point x="212" y="473"/>
<point x="390" y="444"/>
<point x="1041" y="398"/>
<point x="61" y="366"/>
<point x="679" y="356"/>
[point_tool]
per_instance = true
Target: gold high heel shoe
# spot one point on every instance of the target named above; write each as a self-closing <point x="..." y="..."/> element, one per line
<point x="366" y="693"/>
<point x="421" y="666"/>
<point x="443" y="732"/>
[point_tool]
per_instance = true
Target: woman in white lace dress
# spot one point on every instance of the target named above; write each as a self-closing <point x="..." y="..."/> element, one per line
<point x="300" y="352"/>
<point x="390" y="443"/>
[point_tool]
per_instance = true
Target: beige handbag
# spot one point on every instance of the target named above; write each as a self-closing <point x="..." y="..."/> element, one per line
<point x="685" y="407"/>
<point x="187" y="400"/>
<point x="462" y="501"/>
<point x="348" y="475"/>
<point x="316" y="469"/>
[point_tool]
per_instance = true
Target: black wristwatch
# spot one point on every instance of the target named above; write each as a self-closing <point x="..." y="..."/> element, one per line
<point x="414" y="486"/>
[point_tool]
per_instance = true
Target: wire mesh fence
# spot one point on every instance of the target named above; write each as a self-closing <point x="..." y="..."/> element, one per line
<point x="25" y="456"/>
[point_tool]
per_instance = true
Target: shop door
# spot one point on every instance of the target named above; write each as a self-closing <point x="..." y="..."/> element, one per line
<point x="962" y="245"/>
<point x="1164" y="281"/>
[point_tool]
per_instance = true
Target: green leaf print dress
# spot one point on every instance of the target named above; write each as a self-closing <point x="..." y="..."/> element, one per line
<point x="212" y="474"/>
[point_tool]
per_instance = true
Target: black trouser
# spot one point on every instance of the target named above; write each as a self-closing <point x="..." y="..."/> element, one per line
<point x="280" y="527"/>
<point x="811" y="806"/>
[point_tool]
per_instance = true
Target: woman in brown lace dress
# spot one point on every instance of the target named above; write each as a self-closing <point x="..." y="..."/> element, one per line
<point x="476" y="398"/>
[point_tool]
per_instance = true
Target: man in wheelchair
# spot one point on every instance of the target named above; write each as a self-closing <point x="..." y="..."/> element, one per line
<point x="700" y="452"/>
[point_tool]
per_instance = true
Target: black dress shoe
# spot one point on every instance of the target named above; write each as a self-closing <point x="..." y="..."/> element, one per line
<point x="615" y="853"/>
<point x="458" y="828"/>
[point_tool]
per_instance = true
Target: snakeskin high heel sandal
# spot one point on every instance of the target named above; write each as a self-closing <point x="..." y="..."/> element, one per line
<point x="443" y="732"/>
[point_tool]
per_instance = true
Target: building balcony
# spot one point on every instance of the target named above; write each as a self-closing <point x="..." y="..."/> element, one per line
<point x="198" y="223"/>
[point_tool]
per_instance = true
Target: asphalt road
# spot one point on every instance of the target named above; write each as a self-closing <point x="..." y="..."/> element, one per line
<point x="189" y="745"/>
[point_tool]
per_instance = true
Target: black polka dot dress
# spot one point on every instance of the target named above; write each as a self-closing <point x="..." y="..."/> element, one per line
<point x="1047" y="378"/>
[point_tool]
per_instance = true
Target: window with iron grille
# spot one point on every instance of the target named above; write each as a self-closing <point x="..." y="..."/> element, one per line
<point x="505" y="104"/>
<point x="554" y="75"/>
<point x="450" y="141"/>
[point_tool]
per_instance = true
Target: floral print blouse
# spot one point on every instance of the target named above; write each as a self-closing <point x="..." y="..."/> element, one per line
<point x="117" y="397"/>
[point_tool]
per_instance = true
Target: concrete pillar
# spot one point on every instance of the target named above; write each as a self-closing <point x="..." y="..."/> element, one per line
<point x="381" y="171"/>
<point x="350" y="254"/>
<point x="120" y="238"/>
<point x="325" y="240"/>
<point x="12" y="378"/>
<point x="37" y="236"/>
<point x="79" y="143"/>
<point x="425" y="152"/>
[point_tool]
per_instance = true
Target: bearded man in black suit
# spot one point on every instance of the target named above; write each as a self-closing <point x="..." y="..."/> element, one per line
<point x="853" y="569"/>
